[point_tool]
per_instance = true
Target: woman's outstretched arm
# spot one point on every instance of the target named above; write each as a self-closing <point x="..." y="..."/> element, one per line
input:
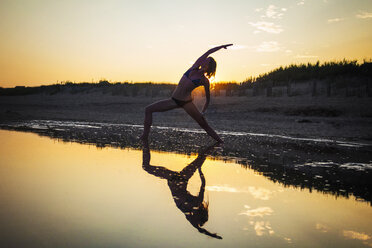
<point x="215" y="49"/>
<point x="207" y="97"/>
<point x="200" y="60"/>
<point x="213" y="235"/>
<point x="202" y="186"/>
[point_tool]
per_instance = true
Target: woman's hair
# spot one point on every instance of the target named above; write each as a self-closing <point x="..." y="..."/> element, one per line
<point x="211" y="71"/>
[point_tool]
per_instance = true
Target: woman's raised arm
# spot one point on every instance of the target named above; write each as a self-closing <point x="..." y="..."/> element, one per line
<point x="200" y="60"/>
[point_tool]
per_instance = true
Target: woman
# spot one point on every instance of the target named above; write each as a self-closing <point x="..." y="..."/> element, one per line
<point x="198" y="75"/>
<point x="195" y="208"/>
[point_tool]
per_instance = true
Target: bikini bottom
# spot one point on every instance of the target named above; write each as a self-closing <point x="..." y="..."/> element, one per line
<point x="180" y="102"/>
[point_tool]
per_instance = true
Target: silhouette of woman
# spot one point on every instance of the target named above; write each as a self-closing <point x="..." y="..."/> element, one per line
<point x="198" y="75"/>
<point x="194" y="207"/>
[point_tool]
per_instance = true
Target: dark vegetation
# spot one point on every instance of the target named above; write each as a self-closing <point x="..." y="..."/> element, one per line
<point x="305" y="72"/>
<point x="345" y="78"/>
<point x="103" y="86"/>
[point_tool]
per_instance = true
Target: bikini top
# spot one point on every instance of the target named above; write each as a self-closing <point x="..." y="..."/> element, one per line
<point x="197" y="82"/>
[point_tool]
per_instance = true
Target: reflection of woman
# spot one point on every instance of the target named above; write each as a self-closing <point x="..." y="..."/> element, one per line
<point x="198" y="75"/>
<point x="194" y="207"/>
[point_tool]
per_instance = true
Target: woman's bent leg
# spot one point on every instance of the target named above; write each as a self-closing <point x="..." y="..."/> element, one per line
<point x="191" y="109"/>
<point x="160" y="106"/>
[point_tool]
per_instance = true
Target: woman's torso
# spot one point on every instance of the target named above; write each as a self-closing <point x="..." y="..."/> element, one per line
<point x="190" y="80"/>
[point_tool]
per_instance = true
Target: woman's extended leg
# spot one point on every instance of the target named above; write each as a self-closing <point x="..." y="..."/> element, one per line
<point x="191" y="109"/>
<point x="160" y="106"/>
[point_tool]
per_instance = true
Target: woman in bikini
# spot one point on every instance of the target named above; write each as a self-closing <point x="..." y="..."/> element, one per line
<point x="198" y="75"/>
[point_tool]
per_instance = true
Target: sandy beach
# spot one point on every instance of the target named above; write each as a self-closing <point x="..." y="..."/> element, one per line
<point x="344" y="118"/>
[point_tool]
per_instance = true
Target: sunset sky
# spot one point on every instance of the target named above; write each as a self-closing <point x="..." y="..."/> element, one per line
<point x="45" y="42"/>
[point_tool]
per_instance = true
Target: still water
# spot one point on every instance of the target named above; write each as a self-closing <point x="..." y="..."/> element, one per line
<point x="56" y="194"/>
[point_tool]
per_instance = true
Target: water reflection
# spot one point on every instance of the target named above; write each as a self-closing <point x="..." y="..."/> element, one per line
<point x="56" y="194"/>
<point x="195" y="208"/>
<point x="342" y="171"/>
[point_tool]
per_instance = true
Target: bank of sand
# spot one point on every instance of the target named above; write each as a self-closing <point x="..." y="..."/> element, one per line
<point x="302" y="116"/>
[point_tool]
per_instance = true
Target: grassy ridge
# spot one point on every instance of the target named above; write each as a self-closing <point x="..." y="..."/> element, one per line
<point x="301" y="72"/>
<point x="339" y="73"/>
<point x="103" y="86"/>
